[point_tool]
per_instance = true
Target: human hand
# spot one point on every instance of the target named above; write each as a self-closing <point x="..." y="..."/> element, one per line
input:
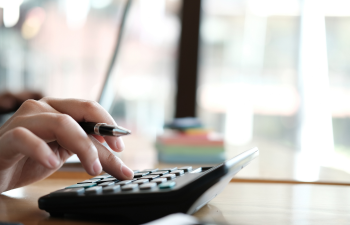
<point x="43" y="134"/>
<point x="10" y="102"/>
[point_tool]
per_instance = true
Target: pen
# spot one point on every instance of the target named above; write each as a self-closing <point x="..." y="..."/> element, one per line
<point x="103" y="129"/>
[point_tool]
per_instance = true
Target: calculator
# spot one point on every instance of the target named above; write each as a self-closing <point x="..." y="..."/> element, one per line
<point x="153" y="193"/>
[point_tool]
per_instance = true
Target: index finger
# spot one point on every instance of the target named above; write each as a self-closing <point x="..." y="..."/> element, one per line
<point x="86" y="111"/>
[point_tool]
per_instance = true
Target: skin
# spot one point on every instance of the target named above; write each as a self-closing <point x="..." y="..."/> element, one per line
<point x="43" y="134"/>
<point x="10" y="102"/>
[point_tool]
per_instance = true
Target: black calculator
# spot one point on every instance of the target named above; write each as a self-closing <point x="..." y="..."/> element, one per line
<point x="153" y="193"/>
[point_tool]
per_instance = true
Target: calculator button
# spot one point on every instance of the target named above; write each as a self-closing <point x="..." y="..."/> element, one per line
<point x="138" y="175"/>
<point x="160" y="173"/>
<point x="150" y="177"/>
<point x="166" y="185"/>
<point x="130" y="187"/>
<point x="107" y="180"/>
<point x="159" y="180"/>
<point x="93" y="190"/>
<point x="141" y="181"/>
<point x="136" y="171"/>
<point x="169" y="176"/>
<point x="148" y="186"/>
<point x="86" y="185"/>
<point x="88" y="181"/>
<point x="150" y="170"/>
<point x="124" y="182"/>
<point x="178" y="172"/>
<point x="169" y="169"/>
<point x="111" y="189"/>
<point x="186" y="168"/>
<point x="68" y="192"/>
<point x="104" y="184"/>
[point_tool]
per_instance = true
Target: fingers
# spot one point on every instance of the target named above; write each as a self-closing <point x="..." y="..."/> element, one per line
<point x="19" y="142"/>
<point x="87" y="111"/>
<point x="112" y="164"/>
<point x="66" y="131"/>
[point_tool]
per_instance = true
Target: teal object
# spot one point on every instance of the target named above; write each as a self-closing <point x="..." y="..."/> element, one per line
<point x="86" y="185"/>
<point x="166" y="185"/>
<point x="191" y="159"/>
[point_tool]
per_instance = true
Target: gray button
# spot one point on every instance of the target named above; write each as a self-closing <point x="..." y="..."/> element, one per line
<point x="150" y="170"/>
<point x="111" y="189"/>
<point x="148" y="186"/>
<point x="136" y="171"/>
<point x="89" y="181"/>
<point x="141" y="181"/>
<point x="106" y="184"/>
<point x="169" y="176"/>
<point x="169" y="169"/>
<point x="149" y="177"/>
<point x="186" y="168"/>
<point x="124" y="182"/>
<point x="137" y="175"/>
<point x="159" y="180"/>
<point x="93" y="190"/>
<point x="178" y="172"/>
<point x="160" y="173"/>
<point x="108" y="180"/>
<point x="130" y="187"/>
<point x="68" y="192"/>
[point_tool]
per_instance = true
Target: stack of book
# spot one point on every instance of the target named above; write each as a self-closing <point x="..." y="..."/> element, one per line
<point x="190" y="146"/>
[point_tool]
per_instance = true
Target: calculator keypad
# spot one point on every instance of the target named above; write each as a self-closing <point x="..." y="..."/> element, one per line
<point x="104" y="184"/>
<point x="169" y="176"/>
<point x="141" y="174"/>
<point x="107" y="180"/>
<point x="111" y="189"/>
<point x="160" y="173"/>
<point x="87" y="185"/>
<point x="148" y="179"/>
<point x="178" y="172"/>
<point x="141" y="181"/>
<point x="124" y="182"/>
<point x="68" y="192"/>
<point x="186" y="168"/>
<point x="169" y="169"/>
<point x="159" y="180"/>
<point x="130" y="187"/>
<point x="93" y="190"/>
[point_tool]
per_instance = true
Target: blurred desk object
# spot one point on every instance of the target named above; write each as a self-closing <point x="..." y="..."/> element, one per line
<point x="239" y="203"/>
<point x="275" y="163"/>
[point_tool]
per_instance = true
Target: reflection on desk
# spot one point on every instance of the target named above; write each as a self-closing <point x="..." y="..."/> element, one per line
<point x="239" y="203"/>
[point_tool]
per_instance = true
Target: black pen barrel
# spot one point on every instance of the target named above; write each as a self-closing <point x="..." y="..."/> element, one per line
<point x="88" y="127"/>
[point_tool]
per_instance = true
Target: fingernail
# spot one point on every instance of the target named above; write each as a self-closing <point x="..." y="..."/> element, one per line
<point x="127" y="171"/>
<point x="53" y="161"/>
<point x="120" y="143"/>
<point x="96" y="167"/>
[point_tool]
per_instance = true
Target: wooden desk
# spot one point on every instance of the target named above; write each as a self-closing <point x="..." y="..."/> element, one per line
<point x="239" y="203"/>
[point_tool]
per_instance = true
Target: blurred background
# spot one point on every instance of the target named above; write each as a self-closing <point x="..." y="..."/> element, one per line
<point x="273" y="74"/>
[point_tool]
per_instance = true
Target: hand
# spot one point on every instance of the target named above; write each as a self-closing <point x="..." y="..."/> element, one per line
<point x="43" y="134"/>
<point x="10" y="102"/>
